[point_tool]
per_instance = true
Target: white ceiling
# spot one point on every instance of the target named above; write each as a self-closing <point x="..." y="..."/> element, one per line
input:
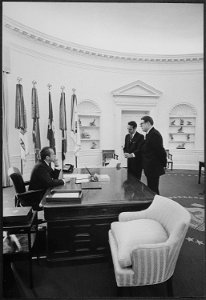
<point x="141" y="28"/>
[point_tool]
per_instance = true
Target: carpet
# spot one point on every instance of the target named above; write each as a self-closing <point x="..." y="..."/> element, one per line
<point x="97" y="279"/>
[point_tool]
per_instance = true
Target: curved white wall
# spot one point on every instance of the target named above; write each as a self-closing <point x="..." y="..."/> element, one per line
<point x="94" y="78"/>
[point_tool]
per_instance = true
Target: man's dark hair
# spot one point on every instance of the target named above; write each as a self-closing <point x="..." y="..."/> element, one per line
<point x="133" y="124"/>
<point x="147" y="119"/>
<point x="45" y="152"/>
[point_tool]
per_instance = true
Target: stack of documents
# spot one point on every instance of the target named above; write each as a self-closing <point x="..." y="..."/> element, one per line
<point x="69" y="196"/>
<point x="103" y="177"/>
<point x="79" y="177"/>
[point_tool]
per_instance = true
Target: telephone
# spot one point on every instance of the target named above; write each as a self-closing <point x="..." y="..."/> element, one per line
<point x="68" y="168"/>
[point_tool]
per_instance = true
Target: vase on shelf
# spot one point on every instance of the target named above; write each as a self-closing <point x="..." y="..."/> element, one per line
<point x="181" y="146"/>
<point x="93" y="123"/>
<point x="180" y="130"/>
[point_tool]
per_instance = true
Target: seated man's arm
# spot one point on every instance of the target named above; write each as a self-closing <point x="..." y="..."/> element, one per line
<point x="50" y="180"/>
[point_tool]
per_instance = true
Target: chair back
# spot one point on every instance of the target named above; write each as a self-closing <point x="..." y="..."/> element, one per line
<point x="107" y="155"/>
<point x="17" y="180"/>
<point x="169" y="213"/>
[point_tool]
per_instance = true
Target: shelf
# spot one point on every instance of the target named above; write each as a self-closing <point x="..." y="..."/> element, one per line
<point x="88" y="126"/>
<point x="89" y="115"/>
<point x="181" y="133"/>
<point x="90" y="139"/>
<point x="190" y="142"/>
<point x="183" y="117"/>
<point x="181" y="125"/>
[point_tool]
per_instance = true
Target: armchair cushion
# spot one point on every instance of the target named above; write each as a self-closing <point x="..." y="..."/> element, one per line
<point x="129" y="235"/>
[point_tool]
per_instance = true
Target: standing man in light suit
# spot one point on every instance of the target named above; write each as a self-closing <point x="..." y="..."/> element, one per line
<point x="154" y="157"/>
<point x="132" y="150"/>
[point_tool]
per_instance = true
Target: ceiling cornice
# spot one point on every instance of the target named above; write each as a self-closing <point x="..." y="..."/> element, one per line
<point x="48" y="40"/>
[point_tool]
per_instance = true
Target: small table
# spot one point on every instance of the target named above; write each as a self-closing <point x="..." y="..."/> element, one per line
<point x="23" y="228"/>
<point x="201" y="165"/>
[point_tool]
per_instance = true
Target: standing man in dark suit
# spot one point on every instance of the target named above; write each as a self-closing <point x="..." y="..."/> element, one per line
<point x="133" y="143"/>
<point x="44" y="173"/>
<point x="154" y="156"/>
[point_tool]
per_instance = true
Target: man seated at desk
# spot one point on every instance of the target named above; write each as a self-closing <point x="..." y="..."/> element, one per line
<point x="45" y="174"/>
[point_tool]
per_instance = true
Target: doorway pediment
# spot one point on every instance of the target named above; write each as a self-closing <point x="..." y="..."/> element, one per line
<point x="136" y="89"/>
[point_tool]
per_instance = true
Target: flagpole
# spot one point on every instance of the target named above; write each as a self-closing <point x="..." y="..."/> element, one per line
<point x="74" y="90"/>
<point x="19" y="79"/>
<point x="62" y="91"/>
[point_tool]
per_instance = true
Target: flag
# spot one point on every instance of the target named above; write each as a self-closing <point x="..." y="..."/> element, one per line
<point x="35" y="117"/>
<point x="50" y="131"/>
<point x="63" y="124"/>
<point x="75" y="133"/>
<point x="21" y="121"/>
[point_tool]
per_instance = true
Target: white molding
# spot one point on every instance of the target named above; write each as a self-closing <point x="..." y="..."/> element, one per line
<point x="77" y="49"/>
<point x="98" y="111"/>
<point x="183" y="103"/>
<point x="109" y="67"/>
<point x="126" y="90"/>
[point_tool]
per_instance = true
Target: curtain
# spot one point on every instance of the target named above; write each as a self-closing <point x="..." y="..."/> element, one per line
<point x="6" y="159"/>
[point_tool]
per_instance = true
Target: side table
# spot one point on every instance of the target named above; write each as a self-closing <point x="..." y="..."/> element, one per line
<point x="29" y="229"/>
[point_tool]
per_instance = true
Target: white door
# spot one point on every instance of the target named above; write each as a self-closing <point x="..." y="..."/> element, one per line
<point x="128" y="116"/>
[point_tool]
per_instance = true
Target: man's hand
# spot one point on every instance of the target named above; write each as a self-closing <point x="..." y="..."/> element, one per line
<point x="128" y="155"/>
<point x="67" y="179"/>
<point x="56" y="163"/>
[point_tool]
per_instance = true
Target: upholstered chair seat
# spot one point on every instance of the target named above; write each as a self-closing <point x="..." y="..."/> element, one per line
<point x="145" y="245"/>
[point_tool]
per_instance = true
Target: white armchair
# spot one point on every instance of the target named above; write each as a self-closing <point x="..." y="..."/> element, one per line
<point x="145" y="245"/>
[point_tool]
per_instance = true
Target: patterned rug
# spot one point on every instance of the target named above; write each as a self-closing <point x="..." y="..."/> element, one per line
<point x="189" y="277"/>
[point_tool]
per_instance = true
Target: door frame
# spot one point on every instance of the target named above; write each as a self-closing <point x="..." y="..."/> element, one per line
<point x="147" y="104"/>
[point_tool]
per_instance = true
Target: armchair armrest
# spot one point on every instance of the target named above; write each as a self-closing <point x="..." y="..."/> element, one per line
<point x="31" y="193"/>
<point x="31" y="198"/>
<point x="147" y="258"/>
<point x="132" y="215"/>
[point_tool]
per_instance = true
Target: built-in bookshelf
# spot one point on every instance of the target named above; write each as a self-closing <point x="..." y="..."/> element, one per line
<point x="89" y="125"/>
<point x="89" y="118"/>
<point x="182" y="124"/>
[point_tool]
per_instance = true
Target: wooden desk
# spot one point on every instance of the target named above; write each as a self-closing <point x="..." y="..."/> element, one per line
<point x="79" y="231"/>
<point x="201" y="165"/>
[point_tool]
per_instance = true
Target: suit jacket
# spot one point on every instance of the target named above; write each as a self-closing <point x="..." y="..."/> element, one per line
<point x="134" y="146"/>
<point x="43" y="177"/>
<point x="154" y="156"/>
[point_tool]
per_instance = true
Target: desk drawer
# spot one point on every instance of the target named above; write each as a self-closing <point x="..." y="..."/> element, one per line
<point x="84" y="212"/>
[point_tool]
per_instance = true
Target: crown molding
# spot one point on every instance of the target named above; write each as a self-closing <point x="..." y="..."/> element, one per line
<point x="53" y="42"/>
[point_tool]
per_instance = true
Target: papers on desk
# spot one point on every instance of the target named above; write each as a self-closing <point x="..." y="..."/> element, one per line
<point x="66" y="196"/>
<point x="81" y="178"/>
<point x="103" y="177"/>
<point x="77" y="176"/>
<point x="91" y="185"/>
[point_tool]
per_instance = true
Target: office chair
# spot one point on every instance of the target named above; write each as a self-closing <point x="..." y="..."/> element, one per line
<point x="107" y="155"/>
<point x="24" y="197"/>
<point x="145" y="245"/>
<point x="169" y="159"/>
